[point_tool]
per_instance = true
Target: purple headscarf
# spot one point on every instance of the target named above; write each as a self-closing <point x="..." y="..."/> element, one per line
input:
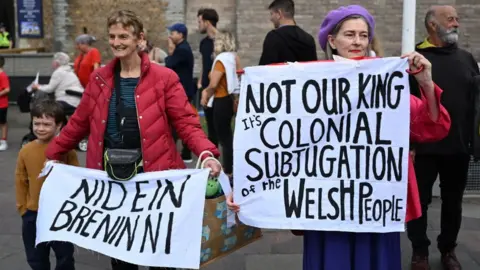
<point x="337" y="15"/>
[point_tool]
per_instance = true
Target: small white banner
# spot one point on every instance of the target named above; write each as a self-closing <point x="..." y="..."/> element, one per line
<point x="324" y="146"/>
<point x="154" y="219"/>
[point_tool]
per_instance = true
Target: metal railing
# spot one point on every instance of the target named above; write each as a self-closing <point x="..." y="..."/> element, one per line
<point x="473" y="179"/>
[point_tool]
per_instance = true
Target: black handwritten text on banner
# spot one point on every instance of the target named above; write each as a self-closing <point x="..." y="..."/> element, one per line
<point x="323" y="146"/>
<point x="139" y="221"/>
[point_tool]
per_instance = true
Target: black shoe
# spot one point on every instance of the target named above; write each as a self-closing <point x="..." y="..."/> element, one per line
<point x="419" y="262"/>
<point x="450" y="261"/>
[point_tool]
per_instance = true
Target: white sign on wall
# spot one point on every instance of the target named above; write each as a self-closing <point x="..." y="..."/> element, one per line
<point x="323" y="146"/>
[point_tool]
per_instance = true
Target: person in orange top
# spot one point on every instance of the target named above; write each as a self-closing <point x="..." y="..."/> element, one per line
<point x="225" y="64"/>
<point x="88" y="60"/>
<point x="47" y="118"/>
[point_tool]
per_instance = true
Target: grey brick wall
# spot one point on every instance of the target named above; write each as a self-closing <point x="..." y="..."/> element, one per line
<point x="28" y="65"/>
<point x="71" y="16"/>
<point x="253" y="22"/>
<point x="61" y="23"/>
<point x="175" y="11"/>
<point x="227" y="13"/>
<point x="247" y="19"/>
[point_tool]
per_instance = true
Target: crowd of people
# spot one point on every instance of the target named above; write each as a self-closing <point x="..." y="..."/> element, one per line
<point x="140" y="104"/>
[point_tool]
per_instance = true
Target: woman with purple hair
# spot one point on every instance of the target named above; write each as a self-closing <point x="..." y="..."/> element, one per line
<point x="348" y="32"/>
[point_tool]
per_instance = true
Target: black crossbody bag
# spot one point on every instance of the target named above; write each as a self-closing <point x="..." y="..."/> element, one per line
<point x="122" y="161"/>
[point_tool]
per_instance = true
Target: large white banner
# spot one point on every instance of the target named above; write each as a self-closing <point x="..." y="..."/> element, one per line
<point x="154" y="219"/>
<point x="323" y="146"/>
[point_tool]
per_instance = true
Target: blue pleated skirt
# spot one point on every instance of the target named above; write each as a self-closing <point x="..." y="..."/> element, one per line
<point x="351" y="251"/>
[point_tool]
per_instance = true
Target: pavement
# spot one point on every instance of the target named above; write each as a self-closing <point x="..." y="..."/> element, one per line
<point x="278" y="250"/>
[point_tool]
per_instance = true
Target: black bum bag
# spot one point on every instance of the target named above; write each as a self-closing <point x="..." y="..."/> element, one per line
<point x="122" y="164"/>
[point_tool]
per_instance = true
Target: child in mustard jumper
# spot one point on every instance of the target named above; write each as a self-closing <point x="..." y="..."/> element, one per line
<point x="47" y="118"/>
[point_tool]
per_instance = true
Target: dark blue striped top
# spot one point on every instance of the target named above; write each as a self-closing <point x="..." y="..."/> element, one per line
<point x="127" y="90"/>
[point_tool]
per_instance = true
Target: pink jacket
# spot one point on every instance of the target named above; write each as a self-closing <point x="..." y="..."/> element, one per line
<point x="423" y="129"/>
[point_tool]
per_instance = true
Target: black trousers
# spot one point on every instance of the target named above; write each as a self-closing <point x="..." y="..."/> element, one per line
<point x="39" y="257"/>
<point x="67" y="108"/>
<point x="222" y="120"/>
<point x="212" y="134"/>
<point x="453" y="171"/>
<point x="186" y="152"/>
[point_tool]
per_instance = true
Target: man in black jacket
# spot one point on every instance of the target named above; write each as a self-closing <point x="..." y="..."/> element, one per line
<point x="207" y="19"/>
<point x="180" y="60"/>
<point x="287" y="42"/>
<point x="454" y="70"/>
<point x="180" y="57"/>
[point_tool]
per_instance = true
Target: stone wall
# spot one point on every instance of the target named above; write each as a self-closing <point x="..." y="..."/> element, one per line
<point x="65" y="19"/>
<point x="253" y="22"/>
<point x="227" y="10"/>
<point x="175" y="11"/>
<point x="92" y="14"/>
<point x="247" y="19"/>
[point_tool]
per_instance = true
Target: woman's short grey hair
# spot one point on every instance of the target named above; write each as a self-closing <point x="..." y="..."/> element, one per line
<point x="329" y="51"/>
<point x="61" y="58"/>
<point x="85" y="39"/>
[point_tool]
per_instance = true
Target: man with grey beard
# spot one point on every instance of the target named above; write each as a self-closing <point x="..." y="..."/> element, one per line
<point x="453" y="71"/>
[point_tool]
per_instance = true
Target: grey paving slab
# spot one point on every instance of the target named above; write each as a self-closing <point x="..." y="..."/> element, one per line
<point x="278" y="250"/>
<point x="273" y="261"/>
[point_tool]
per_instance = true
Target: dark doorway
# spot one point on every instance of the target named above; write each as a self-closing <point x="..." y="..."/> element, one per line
<point x="7" y="17"/>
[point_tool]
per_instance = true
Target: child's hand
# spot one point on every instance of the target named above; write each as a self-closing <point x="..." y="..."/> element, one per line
<point x="47" y="168"/>
<point x="231" y="205"/>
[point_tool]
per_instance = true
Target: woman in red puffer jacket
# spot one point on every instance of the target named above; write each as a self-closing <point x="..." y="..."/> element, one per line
<point x="151" y="100"/>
